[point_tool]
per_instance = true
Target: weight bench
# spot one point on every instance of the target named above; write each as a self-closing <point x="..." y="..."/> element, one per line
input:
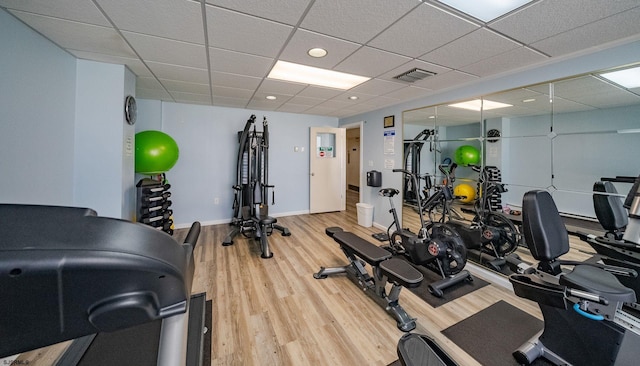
<point x="385" y="269"/>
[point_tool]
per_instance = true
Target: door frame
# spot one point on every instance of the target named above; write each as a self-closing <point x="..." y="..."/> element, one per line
<point x="362" y="179"/>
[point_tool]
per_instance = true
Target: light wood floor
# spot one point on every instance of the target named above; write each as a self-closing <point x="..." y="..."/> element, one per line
<point x="273" y="312"/>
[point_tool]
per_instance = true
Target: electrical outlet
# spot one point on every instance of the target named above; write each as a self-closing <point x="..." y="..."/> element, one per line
<point x="216" y="201"/>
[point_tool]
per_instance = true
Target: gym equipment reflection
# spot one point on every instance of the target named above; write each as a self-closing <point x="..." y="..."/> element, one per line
<point x="549" y="136"/>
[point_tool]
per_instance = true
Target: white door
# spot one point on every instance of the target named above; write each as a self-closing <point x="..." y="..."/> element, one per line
<point x="327" y="169"/>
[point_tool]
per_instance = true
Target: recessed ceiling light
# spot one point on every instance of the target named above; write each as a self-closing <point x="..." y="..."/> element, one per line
<point x="485" y="10"/>
<point x="317" y="52"/>
<point x="289" y="71"/>
<point x="353" y="97"/>
<point x="477" y="105"/>
<point x="629" y="78"/>
<point x="271" y="97"/>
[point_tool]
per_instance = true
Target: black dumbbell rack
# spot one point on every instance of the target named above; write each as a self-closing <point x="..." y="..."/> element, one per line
<point x="152" y="206"/>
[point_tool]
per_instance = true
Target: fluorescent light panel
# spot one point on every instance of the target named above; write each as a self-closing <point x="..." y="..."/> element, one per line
<point x="315" y="76"/>
<point x="629" y="78"/>
<point x="485" y="10"/>
<point x="477" y="105"/>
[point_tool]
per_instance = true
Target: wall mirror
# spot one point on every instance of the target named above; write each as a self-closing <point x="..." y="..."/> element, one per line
<point x="560" y="136"/>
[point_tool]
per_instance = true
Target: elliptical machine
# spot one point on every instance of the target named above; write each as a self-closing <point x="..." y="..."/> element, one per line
<point x="436" y="246"/>
<point x="250" y="204"/>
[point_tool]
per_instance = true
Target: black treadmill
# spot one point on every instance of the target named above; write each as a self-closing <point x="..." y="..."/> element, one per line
<point x="66" y="273"/>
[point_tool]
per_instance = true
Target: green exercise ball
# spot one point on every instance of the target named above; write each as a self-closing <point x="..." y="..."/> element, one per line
<point x="156" y="152"/>
<point x="467" y="155"/>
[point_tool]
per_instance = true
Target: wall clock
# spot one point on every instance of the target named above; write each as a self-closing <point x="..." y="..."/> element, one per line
<point x="493" y="133"/>
<point x="130" y="109"/>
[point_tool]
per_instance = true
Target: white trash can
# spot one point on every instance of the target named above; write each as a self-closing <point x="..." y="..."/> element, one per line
<point x="365" y="214"/>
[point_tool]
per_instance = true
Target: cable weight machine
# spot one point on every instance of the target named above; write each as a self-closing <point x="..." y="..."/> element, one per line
<point x="250" y="204"/>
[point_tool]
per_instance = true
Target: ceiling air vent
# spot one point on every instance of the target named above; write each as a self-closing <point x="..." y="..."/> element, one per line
<point x="414" y="75"/>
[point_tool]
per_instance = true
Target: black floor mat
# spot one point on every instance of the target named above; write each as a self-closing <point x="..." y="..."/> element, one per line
<point x="451" y="293"/>
<point x="491" y="335"/>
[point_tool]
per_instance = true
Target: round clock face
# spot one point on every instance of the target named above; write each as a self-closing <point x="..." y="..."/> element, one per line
<point x="493" y="133"/>
<point x="130" y="109"/>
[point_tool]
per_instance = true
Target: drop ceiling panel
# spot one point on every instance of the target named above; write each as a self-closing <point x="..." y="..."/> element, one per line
<point x="230" y="102"/>
<point x="220" y="91"/>
<point x="355" y="20"/>
<point x="179" y="86"/>
<point x="177" y="20"/>
<point x="483" y="42"/>
<point x="292" y="108"/>
<point x="319" y="92"/>
<point x="518" y="57"/>
<point x="148" y="83"/>
<point x="78" y="36"/>
<point x="308" y="101"/>
<point x="446" y="79"/>
<point x="77" y="10"/>
<point x="264" y="104"/>
<point x="284" y="11"/>
<point x="270" y="86"/>
<point x="234" y="80"/>
<point x="422" y="31"/>
<point x="547" y="18"/>
<point x="239" y="63"/>
<point x="153" y="94"/>
<point x="191" y="98"/>
<point x="167" y="50"/>
<point x="303" y="40"/>
<point x="408" y="93"/>
<point x="411" y="65"/>
<point x="176" y="72"/>
<point x="371" y="62"/>
<point x="244" y="33"/>
<point x="377" y="87"/>
<point x="593" y="34"/>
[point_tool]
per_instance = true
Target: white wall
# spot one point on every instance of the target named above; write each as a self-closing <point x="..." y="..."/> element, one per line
<point x="206" y="169"/>
<point x="37" y="100"/>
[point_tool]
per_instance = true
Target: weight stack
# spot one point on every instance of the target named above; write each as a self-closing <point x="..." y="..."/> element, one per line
<point x="153" y="203"/>
<point x="494" y="176"/>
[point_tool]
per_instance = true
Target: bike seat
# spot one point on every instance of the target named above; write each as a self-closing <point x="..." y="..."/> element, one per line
<point x="388" y="192"/>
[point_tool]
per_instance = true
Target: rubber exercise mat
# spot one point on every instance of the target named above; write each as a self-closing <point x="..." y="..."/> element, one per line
<point x="491" y="335"/>
<point x="450" y="294"/>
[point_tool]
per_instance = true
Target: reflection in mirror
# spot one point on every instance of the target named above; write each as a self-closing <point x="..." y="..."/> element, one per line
<point x="561" y="136"/>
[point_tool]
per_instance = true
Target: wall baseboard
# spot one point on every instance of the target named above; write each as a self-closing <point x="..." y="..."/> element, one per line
<point x="227" y="221"/>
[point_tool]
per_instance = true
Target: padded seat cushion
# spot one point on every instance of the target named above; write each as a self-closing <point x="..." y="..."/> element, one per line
<point x="364" y="249"/>
<point x="609" y="209"/>
<point x="543" y="228"/>
<point x="401" y="272"/>
<point x="598" y="281"/>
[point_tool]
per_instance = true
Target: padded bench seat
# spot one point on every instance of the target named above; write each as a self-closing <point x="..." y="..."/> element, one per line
<point x="364" y="249"/>
<point x="401" y="273"/>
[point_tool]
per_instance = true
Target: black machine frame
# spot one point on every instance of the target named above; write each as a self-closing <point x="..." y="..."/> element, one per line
<point x="250" y="204"/>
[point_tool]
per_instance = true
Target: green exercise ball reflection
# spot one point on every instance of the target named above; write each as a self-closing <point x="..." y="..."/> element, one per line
<point x="156" y="152"/>
<point x="467" y="155"/>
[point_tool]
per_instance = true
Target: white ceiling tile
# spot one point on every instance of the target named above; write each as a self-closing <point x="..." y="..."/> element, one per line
<point x="157" y="94"/>
<point x="244" y="33"/>
<point x="167" y="50"/>
<point x="220" y="91"/>
<point x="77" y="10"/>
<point x="234" y="80"/>
<point x="444" y="80"/>
<point x="473" y="47"/>
<point x="264" y="104"/>
<point x="593" y="34"/>
<point x="177" y="20"/>
<point x="292" y="108"/>
<point x="423" y="30"/>
<point x="181" y="97"/>
<point x="181" y="73"/>
<point x="320" y="92"/>
<point x="78" y="36"/>
<point x="408" y="93"/>
<point x="355" y="20"/>
<point x="230" y="102"/>
<point x="239" y="63"/>
<point x="134" y="64"/>
<point x="284" y="11"/>
<point x="335" y="104"/>
<point x="518" y="57"/>
<point x="143" y="82"/>
<point x="179" y="86"/>
<point x="308" y="101"/>
<point x="322" y="111"/>
<point x="361" y="97"/>
<point x="547" y="18"/>
<point x="371" y="62"/>
<point x="303" y="40"/>
<point x="272" y="87"/>
<point x="377" y="87"/>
